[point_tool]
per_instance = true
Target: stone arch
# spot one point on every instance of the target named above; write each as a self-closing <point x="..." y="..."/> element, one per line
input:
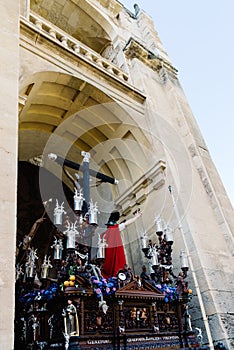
<point x="65" y="115"/>
<point x="80" y="19"/>
<point x="59" y="106"/>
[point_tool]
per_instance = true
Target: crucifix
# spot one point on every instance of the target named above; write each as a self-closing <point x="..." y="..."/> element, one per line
<point x="87" y="172"/>
<point x="85" y="169"/>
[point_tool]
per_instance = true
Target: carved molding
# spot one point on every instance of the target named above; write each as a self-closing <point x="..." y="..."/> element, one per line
<point x="153" y="179"/>
<point x="111" y="5"/>
<point x="75" y="57"/>
<point x="134" y="49"/>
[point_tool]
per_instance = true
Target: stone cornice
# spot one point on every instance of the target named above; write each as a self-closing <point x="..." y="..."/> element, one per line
<point x="112" y="6"/>
<point x="57" y="45"/>
<point x="134" y="49"/>
<point x="153" y="179"/>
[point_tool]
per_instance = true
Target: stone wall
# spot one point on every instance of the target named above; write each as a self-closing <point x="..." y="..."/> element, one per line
<point x="9" y="73"/>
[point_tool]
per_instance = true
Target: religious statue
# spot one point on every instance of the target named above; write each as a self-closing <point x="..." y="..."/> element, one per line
<point x="33" y="320"/>
<point x="180" y="283"/>
<point x="133" y="317"/>
<point x="143" y="316"/>
<point x="71" y="323"/>
<point x="103" y="306"/>
<point x="133" y="313"/>
<point x="115" y="255"/>
<point x="187" y="319"/>
<point x="144" y="275"/>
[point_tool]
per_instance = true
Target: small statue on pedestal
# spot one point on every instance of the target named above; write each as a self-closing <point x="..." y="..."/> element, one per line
<point x="71" y="323"/>
<point x="187" y="320"/>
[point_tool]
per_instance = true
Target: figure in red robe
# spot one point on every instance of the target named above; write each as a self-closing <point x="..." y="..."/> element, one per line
<point x="115" y="256"/>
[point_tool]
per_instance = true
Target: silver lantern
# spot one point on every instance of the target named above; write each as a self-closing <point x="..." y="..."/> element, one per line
<point x="93" y="214"/>
<point x="58" y="248"/>
<point x="71" y="234"/>
<point x="78" y="201"/>
<point x="58" y="213"/>
<point x="30" y="265"/>
<point x="45" y="268"/>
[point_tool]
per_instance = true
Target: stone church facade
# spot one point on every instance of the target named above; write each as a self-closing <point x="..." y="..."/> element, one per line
<point x="92" y="76"/>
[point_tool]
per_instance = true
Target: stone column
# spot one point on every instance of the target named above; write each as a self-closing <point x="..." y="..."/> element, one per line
<point x="9" y="73"/>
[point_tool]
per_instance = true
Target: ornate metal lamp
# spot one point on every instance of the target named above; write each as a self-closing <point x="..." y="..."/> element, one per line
<point x="159" y="254"/>
<point x="78" y="201"/>
<point x="145" y="243"/>
<point x="58" y="214"/>
<point x="101" y="250"/>
<point x="184" y="263"/>
<point x="93" y="214"/>
<point x="159" y="227"/>
<point x="45" y="268"/>
<point x="58" y="249"/>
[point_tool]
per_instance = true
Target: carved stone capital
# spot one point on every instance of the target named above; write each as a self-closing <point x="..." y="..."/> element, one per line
<point x="134" y="49"/>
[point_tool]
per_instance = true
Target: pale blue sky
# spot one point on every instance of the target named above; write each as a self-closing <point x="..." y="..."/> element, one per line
<point x="198" y="36"/>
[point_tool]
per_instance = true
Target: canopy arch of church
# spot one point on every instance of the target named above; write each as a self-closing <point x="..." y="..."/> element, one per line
<point x="86" y="118"/>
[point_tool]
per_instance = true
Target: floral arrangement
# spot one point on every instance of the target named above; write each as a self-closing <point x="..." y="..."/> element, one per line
<point x="170" y="293"/>
<point x="43" y="295"/>
<point x="104" y="286"/>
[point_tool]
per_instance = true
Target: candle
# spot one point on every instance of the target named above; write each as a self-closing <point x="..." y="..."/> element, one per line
<point x="183" y="260"/>
<point x="30" y="271"/>
<point x="71" y="239"/>
<point x="144" y="241"/>
<point x="169" y="235"/>
<point x="159" y="229"/>
<point x="154" y="259"/>
<point x="57" y="252"/>
<point x="78" y="201"/>
<point x="44" y="271"/>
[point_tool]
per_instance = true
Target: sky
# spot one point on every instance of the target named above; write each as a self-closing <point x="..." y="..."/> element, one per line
<point x="198" y="37"/>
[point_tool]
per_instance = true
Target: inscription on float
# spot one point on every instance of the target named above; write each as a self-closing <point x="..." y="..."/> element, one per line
<point x="99" y="341"/>
<point x="158" y="342"/>
<point x="170" y="340"/>
<point x="152" y="339"/>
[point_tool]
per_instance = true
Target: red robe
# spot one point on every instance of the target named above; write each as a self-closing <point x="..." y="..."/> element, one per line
<point x="115" y="256"/>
